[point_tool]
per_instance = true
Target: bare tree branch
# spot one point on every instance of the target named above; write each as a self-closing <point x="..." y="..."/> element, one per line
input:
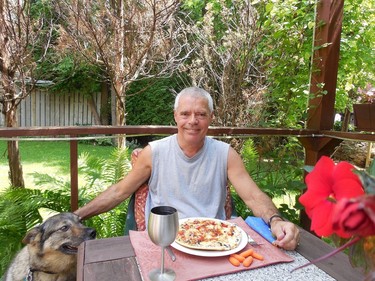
<point x="21" y="34"/>
<point x="131" y="40"/>
<point x="228" y="65"/>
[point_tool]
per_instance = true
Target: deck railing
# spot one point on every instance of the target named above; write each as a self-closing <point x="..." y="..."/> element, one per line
<point x="314" y="141"/>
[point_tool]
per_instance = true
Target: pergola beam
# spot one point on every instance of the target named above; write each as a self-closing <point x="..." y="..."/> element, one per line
<point x="324" y="64"/>
<point x="323" y="81"/>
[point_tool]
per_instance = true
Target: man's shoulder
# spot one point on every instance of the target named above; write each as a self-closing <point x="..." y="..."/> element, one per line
<point x="217" y="143"/>
<point x="162" y="142"/>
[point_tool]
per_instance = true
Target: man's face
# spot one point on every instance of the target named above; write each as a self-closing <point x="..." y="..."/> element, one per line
<point x="193" y="118"/>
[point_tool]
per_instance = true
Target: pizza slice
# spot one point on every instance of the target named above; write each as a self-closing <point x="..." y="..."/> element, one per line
<point x="208" y="234"/>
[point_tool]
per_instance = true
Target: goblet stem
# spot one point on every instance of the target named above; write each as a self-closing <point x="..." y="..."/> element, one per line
<point x="162" y="260"/>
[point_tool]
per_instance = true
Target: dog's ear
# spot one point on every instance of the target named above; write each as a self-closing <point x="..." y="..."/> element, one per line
<point x="30" y="235"/>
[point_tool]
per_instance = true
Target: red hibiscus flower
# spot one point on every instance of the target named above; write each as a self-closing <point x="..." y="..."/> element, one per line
<point x="355" y="216"/>
<point x="326" y="184"/>
<point x="337" y="203"/>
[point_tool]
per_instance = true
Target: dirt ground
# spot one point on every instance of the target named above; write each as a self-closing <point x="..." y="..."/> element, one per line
<point x="355" y="153"/>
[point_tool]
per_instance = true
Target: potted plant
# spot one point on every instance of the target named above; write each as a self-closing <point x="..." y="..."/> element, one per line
<point x="364" y="110"/>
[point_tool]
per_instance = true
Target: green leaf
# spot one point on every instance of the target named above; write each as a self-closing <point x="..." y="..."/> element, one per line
<point x="360" y="253"/>
<point x="278" y="34"/>
<point x="371" y="169"/>
<point x="368" y="182"/>
<point x="269" y="7"/>
<point x="308" y="168"/>
<point x="311" y="24"/>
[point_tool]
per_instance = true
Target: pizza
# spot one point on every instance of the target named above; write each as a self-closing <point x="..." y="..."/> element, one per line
<point x="208" y="234"/>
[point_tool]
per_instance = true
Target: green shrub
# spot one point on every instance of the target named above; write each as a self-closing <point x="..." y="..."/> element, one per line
<point x="22" y="209"/>
<point x="278" y="173"/>
<point x="150" y="101"/>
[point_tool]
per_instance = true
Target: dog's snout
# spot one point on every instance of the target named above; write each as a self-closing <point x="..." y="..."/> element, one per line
<point x="91" y="233"/>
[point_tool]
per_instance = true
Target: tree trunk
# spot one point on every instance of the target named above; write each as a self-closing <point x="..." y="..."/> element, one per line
<point x="120" y="120"/>
<point x="15" y="167"/>
<point x="14" y="159"/>
<point x="118" y="88"/>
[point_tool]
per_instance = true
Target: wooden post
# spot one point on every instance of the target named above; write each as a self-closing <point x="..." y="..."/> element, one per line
<point x="323" y="80"/>
<point x="73" y="175"/>
<point x="324" y="64"/>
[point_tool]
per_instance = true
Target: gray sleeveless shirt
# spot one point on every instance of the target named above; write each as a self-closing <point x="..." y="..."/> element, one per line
<point x="195" y="186"/>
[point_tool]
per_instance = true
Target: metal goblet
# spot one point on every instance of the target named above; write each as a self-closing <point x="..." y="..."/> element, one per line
<point x="162" y="229"/>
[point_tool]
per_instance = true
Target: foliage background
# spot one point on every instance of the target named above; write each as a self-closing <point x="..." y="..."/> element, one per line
<point x="150" y="101"/>
<point x="21" y="209"/>
<point x="357" y="52"/>
<point x="280" y="78"/>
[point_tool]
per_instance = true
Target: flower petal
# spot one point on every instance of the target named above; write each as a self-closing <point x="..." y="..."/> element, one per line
<point x="310" y="201"/>
<point x="351" y="216"/>
<point x="319" y="184"/>
<point x="321" y="175"/>
<point x="321" y="219"/>
<point x="346" y="184"/>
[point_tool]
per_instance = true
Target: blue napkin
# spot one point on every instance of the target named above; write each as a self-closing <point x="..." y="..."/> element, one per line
<point x="260" y="227"/>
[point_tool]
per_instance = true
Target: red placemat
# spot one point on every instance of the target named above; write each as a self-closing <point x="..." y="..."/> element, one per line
<point x="189" y="267"/>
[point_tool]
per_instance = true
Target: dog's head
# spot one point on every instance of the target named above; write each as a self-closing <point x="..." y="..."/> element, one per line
<point x="61" y="233"/>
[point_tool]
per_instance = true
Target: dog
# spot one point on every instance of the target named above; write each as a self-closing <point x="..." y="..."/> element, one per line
<point x="51" y="250"/>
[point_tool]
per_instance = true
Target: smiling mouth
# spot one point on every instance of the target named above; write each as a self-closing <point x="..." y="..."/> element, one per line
<point x="190" y="130"/>
<point x="68" y="249"/>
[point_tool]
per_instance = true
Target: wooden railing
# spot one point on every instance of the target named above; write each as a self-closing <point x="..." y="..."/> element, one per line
<point x="316" y="143"/>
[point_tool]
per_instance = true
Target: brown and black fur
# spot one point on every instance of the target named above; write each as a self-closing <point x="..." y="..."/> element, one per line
<point x="51" y="248"/>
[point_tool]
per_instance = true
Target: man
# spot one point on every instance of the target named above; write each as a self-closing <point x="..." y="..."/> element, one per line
<point x="189" y="171"/>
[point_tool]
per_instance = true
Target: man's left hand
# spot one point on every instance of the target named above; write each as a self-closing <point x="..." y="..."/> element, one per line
<point x="286" y="233"/>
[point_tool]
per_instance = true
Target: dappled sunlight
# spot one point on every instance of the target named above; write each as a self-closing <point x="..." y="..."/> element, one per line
<point x="29" y="170"/>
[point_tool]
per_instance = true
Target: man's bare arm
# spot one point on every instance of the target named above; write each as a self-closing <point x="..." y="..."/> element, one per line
<point x="286" y="233"/>
<point x="118" y="192"/>
<point x="259" y="202"/>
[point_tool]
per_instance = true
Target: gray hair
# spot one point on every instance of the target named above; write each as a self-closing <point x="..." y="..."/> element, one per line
<point x="196" y="93"/>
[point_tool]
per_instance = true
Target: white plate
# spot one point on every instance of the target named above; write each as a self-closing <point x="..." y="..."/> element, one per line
<point x="208" y="253"/>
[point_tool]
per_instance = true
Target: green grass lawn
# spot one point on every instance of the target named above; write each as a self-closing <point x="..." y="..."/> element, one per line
<point x="49" y="157"/>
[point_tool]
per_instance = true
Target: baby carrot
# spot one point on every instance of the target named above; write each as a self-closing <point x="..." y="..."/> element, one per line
<point x="257" y="256"/>
<point x="247" y="253"/>
<point x="234" y="261"/>
<point x="238" y="257"/>
<point x="248" y="261"/>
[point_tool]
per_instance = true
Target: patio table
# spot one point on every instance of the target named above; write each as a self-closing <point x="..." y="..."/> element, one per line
<point x="114" y="259"/>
